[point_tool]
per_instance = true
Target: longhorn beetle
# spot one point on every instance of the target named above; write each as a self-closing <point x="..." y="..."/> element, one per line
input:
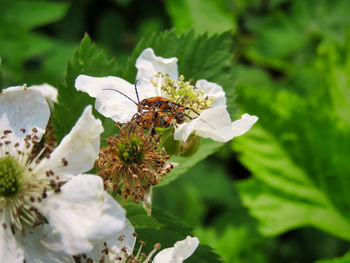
<point x="157" y="111"/>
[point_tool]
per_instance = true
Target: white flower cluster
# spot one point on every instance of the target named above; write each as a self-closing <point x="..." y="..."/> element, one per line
<point x="214" y="122"/>
<point x="50" y="209"/>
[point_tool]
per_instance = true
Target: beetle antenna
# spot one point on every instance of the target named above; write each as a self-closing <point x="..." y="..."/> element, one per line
<point x="188" y="108"/>
<point x="124" y="95"/>
<point x="137" y="94"/>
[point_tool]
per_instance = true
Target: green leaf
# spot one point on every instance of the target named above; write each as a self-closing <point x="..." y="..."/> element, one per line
<point x="298" y="153"/>
<point x="335" y="59"/>
<point x="166" y="229"/>
<point x="236" y="243"/>
<point x="90" y="60"/>
<point x="32" y="58"/>
<point x="201" y="15"/>
<point x="344" y="259"/>
<point x="26" y="54"/>
<point x="30" y="14"/>
<point x="281" y="195"/>
<point x="205" y="182"/>
<point x="18" y="46"/>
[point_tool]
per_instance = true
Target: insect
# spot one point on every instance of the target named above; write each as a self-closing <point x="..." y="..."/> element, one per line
<point x="157" y="112"/>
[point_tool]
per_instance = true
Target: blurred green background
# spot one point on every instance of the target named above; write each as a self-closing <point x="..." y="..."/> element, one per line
<point x="280" y="193"/>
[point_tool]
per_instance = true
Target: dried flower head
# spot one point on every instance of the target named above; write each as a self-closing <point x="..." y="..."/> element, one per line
<point x="132" y="162"/>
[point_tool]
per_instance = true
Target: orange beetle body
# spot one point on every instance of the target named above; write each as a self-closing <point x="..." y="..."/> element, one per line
<point x="157" y="112"/>
<point x="160" y="112"/>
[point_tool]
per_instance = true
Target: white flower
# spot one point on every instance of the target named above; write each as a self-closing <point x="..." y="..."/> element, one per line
<point x="48" y="91"/>
<point x="179" y="252"/>
<point x="48" y="208"/>
<point x="121" y="247"/>
<point x="213" y="122"/>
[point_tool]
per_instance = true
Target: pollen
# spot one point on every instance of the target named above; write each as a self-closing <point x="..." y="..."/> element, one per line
<point x="184" y="93"/>
<point x="133" y="162"/>
<point x="10" y="173"/>
<point x="21" y="189"/>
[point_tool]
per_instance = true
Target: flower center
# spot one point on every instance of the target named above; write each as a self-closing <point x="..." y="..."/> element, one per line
<point x="131" y="152"/>
<point x="184" y="93"/>
<point x="10" y="173"/>
<point x="132" y="162"/>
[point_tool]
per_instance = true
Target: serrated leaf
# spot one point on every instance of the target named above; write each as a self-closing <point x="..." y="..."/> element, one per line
<point x="299" y="151"/>
<point x="281" y="195"/>
<point x="90" y="60"/>
<point x="166" y="229"/>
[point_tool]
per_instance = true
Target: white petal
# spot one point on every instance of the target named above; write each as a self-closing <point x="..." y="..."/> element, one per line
<point x="166" y="256"/>
<point x="214" y="123"/>
<point x="128" y="241"/>
<point x="177" y="254"/>
<point x="213" y="90"/>
<point x="23" y="109"/>
<point x="48" y="91"/>
<point x="185" y="248"/>
<point x="79" y="148"/>
<point x="148" y="65"/>
<point x="242" y="125"/>
<point x="14" y="88"/>
<point x="109" y="103"/>
<point x="9" y="250"/>
<point x="123" y="239"/>
<point x="42" y="246"/>
<point x="83" y="213"/>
